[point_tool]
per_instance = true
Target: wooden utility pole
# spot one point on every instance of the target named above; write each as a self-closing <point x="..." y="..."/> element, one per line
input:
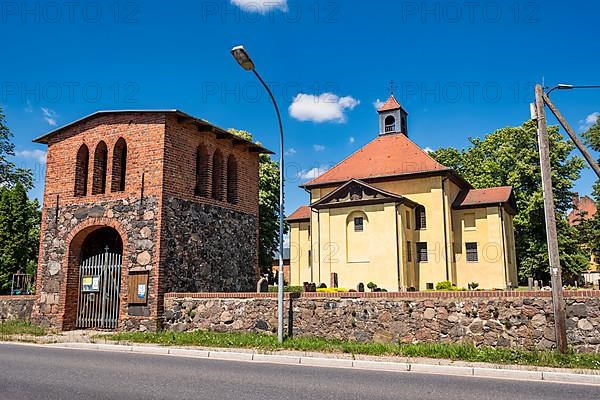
<point x="558" y="303"/>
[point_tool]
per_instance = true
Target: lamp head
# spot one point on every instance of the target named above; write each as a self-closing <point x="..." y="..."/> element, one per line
<point x="564" y="86"/>
<point x="243" y="58"/>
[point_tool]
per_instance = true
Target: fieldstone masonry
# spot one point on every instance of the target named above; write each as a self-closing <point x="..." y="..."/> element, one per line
<point x="209" y="248"/>
<point x="16" y="308"/>
<point x="134" y="217"/>
<point x="500" y="322"/>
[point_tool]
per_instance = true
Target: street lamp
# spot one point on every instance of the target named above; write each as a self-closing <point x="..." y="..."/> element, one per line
<point x="565" y="86"/>
<point x="243" y="58"/>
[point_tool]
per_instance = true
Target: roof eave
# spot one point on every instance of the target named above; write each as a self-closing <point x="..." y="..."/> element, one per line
<point x="433" y="172"/>
<point x="255" y="147"/>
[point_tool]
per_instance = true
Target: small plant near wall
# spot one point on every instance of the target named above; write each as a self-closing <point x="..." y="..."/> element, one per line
<point x="444" y="286"/>
<point x="473" y="285"/>
<point x="447" y="286"/>
<point x="375" y="288"/>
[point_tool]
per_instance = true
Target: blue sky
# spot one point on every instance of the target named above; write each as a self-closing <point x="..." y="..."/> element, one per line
<point x="460" y="69"/>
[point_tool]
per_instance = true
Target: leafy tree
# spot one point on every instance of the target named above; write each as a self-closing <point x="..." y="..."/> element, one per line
<point x="10" y="175"/>
<point x="268" y="203"/>
<point x="509" y="157"/>
<point x="589" y="229"/>
<point x="19" y="233"/>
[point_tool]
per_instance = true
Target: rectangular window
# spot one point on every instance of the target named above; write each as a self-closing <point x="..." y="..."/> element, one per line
<point x="421" y="252"/>
<point x="409" y="251"/>
<point x="408" y="220"/>
<point x="420" y="218"/>
<point x="470" y="221"/>
<point x="358" y="224"/>
<point x="471" y="252"/>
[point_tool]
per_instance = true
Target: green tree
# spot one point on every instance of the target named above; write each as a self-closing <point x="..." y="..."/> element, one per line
<point x="10" y="175"/>
<point x="509" y="157"/>
<point x="589" y="228"/>
<point x="268" y="203"/>
<point x="19" y="233"/>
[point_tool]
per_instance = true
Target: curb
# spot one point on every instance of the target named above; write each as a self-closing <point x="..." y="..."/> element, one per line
<point x="464" y="371"/>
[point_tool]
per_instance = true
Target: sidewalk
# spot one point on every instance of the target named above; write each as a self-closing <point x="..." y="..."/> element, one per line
<point x="84" y="340"/>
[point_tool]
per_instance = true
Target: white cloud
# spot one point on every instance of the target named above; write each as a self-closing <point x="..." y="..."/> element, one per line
<point x="290" y="152"/>
<point x="590" y="120"/>
<point x="428" y="150"/>
<point x="261" y="6"/>
<point x="313" y="172"/>
<point x="351" y="140"/>
<point x="378" y="104"/>
<point x="318" y="147"/>
<point x="49" y="116"/>
<point x="37" y="155"/>
<point x="29" y="107"/>
<point x="327" y="107"/>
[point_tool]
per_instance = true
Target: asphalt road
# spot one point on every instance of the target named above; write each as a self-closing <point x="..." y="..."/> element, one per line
<point x="50" y="373"/>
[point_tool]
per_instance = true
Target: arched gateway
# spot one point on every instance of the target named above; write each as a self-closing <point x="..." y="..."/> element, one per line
<point x="100" y="279"/>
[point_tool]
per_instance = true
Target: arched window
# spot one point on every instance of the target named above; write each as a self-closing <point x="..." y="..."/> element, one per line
<point x="119" y="166"/>
<point x="390" y="124"/>
<point x="81" y="171"/>
<point x="100" y="162"/>
<point x="202" y="172"/>
<point x="217" y="175"/>
<point x="232" y="180"/>
<point x="420" y="218"/>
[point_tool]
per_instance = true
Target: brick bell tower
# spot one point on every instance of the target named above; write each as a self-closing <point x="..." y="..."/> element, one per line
<point x="138" y="204"/>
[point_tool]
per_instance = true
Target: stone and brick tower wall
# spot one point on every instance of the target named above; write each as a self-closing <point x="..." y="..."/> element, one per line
<point x="186" y="239"/>
<point x="210" y="224"/>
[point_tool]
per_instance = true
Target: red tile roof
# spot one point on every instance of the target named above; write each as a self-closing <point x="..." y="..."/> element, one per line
<point x="390" y="104"/>
<point x="387" y="155"/>
<point x="583" y="208"/>
<point x="302" y="213"/>
<point x="480" y="197"/>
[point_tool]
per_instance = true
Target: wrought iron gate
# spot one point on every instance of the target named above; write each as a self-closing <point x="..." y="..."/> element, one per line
<point x="99" y="287"/>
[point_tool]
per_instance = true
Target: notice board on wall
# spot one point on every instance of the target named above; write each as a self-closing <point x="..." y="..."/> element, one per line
<point x="138" y="288"/>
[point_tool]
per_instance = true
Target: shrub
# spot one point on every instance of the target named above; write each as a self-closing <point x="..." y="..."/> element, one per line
<point x="444" y="285"/>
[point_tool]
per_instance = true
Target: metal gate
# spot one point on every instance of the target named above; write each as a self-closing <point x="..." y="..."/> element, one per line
<point x="99" y="287"/>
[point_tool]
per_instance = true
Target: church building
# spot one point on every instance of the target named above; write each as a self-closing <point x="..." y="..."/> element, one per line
<point x="392" y="215"/>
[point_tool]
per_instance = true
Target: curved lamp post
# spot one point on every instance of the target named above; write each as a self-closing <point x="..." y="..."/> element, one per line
<point x="243" y="58"/>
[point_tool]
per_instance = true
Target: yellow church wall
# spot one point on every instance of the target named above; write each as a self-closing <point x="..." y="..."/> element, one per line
<point x="491" y="270"/>
<point x="300" y="253"/>
<point x="367" y="256"/>
<point x="428" y="193"/>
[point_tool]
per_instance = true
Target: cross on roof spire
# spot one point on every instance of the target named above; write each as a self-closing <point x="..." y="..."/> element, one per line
<point x="392" y="87"/>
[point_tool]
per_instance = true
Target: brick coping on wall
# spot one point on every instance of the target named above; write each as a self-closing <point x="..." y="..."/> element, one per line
<point x="388" y="295"/>
<point x="23" y="297"/>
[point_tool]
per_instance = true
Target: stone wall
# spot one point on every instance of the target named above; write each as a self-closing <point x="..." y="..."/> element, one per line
<point x="483" y="319"/>
<point x="136" y="224"/>
<point x="16" y="308"/>
<point x="209" y="248"/>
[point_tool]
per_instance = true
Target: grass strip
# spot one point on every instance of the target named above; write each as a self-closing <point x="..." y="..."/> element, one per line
<point x="450" y="351"/>
<point x="21" y="328"/>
